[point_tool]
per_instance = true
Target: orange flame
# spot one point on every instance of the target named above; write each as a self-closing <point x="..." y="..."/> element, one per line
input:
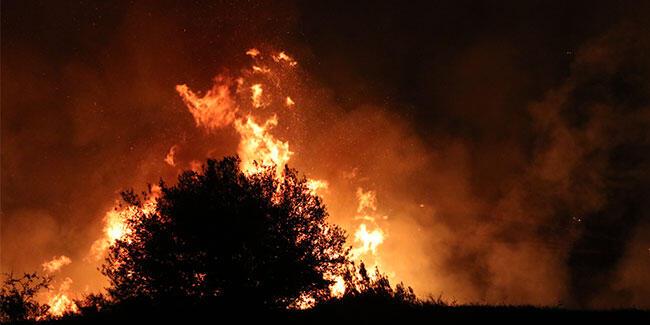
<point x="256" y="96"/>
<point x="367" y="200"/>
<point x="289" y="102"/>
<point x="215" y="109"/>
<point x="283" y="57"/>
<point x="219" y="107"/>
<point x="171" y="155"/>
<point x="258" y="148"/>
<point x="337" y="289"/>
<point x="369" y="240"/>
<point x="56" y="263"/>
<point x="60" y="303"/>
<point x="315" y="185"/>
<point x="116" y="224"/>
<point x="253" y="52"/>
<point x="259" y="69"/>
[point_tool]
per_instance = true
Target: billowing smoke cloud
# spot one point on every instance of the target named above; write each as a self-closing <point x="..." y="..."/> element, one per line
<point x="555" y="229"/>
<point x="487" y="188"/>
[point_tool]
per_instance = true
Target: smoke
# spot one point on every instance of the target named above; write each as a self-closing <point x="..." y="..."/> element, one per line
<point x="568" y="219"/>
<point x="550" y="214"/>
<point x="88" y="114"/>
<point x="56" y="263"/>
<point x="493" y="181"/>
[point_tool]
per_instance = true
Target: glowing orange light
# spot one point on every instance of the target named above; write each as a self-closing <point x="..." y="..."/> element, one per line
<point x="256" y="95"/>
<point x="171" y="155"/>
<point x="253" y="52"/>
<point x="337" y="289"/>
<point x="259" y="69"/>
<point x="213" y="110"/>
<point x="289" y="102"/>
<point x="60" y="303"/>
<point x="367" y="200"/>
<point x="283" y="57"/>
<point x="369" y="240"/>
<point x="315" y="185"/>
<point x="116" y="224"/>
<point x="56" y="263"/>
<point x="258" y="149"/>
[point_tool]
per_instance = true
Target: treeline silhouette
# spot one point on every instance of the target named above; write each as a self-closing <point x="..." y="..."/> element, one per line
<point x="17" y="297"/>
<point x="257" y="239"/>
<point x="224" y="246"/>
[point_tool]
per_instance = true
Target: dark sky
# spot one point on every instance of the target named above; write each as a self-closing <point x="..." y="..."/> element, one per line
<point x="547" y="101"/>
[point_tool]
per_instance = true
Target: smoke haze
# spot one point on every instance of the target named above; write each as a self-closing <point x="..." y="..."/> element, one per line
<point x="508" y="144"/>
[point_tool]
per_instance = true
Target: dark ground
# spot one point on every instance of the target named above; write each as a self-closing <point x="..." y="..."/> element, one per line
<point x="353" y="311"/>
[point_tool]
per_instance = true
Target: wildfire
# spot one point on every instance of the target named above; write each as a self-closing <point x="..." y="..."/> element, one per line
<point x="289" y="102"/>
<point x="256" y="96"/>
<point x="116" y="224"/>
<point x="284" y="57"/>
<point x="258" y="148"/>
<point x="367" y="241"/>
<point x="315" y="185"/>
<point x="367" y="200"/>
<point x="60" y="303"/>
<point x="220" y="107"/>
<point x="170" y="158"/>
<point x="228" y="104"/>
<point x="56" y="263"/>
<point x="213" y="110"/>
<point x="259" y="69"/>
<point x="253" y="52"/>
<point x="337" y="289"/>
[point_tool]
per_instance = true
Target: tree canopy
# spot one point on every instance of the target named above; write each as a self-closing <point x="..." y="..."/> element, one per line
<point x="17" y="297"/>
<point x="221" y="233"/>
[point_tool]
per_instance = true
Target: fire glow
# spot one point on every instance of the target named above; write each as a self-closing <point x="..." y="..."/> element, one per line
<point x="259" y="148"/>
<point x="233" y="101"/>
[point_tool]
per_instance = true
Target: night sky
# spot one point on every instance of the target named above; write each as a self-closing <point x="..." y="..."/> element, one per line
<point x="527" y="122"/>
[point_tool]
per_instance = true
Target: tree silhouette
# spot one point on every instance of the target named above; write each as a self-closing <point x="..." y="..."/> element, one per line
<point x="220" y="233"/>
<point x="17" y="297"/>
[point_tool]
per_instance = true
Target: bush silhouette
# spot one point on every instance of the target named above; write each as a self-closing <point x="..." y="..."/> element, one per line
<point x="219" y="233"/>
<point x="362" y="285"/>
<point x="17" y="298"/>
